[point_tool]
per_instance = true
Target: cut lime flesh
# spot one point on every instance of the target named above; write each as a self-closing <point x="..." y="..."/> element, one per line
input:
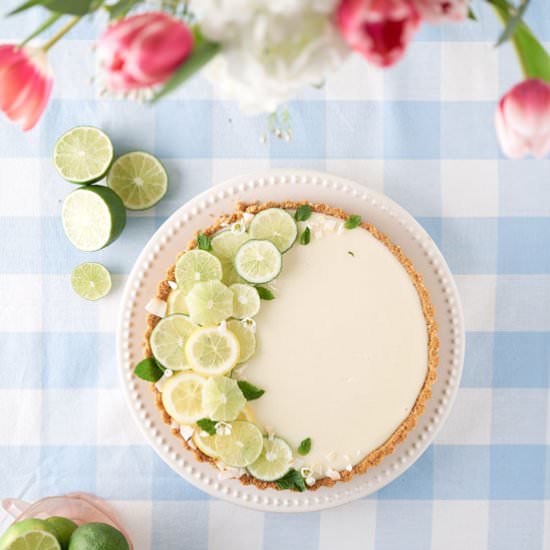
<point x="246" y="301"/>
<point x="139" y="179"/>
<point x="182" y="397"/>
<point x="226" y="243"/>
<point x="176" y="302"/>
<point x="168" y="341"/>
<point x="210" y="303"/>
<point x="258" y="261"/>
<point x="275" y="225"/>
<point x="91" y="281"/>
<point x="93" y="217"/>
<point x="197" y="266"/>
<point x="242" y="446"/>
<point x="222" y="398"/>
<point x="83" y="155"/>
<point x="30" y="534"/>
<point x="212" y="351"/>
<point x="274" y="462"/>
<point x="246" y="337"/>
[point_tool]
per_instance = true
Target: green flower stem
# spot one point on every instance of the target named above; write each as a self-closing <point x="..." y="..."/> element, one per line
<point x="61" y="33"/>
<point x="54" y="17"/>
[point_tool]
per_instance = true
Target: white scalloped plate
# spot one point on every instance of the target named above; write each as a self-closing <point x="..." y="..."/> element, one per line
<point x="280" y="185"/>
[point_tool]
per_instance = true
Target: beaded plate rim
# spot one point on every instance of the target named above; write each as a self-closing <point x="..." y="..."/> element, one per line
<point x="295" y="185"/>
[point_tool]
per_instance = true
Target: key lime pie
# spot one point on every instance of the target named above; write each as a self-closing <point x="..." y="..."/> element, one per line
<point x="291" y="345"/>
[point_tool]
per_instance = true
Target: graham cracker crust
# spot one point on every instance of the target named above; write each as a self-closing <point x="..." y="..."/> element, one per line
<point x="400" y="434"/>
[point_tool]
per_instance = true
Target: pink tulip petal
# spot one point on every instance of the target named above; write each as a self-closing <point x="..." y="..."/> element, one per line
<point x="38" y="104"/>
<point x="13" y="82"/>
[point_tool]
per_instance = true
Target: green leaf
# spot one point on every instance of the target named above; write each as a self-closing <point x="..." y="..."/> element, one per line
<point x="305" y="237"/>
<point x="250" y="391"/>
<point x="305" y="446"/>
<point x="209" y="426"/>
<point x="204" y="242"/>
<point x="54" y="17"/>
<point x="73" y="7"/>
<point x="352" y="222"/>
<point x="471" y="14"/>
<point x="351" y="253"/>
<point x="202" y="53"/>
<point x="149" y="370"/>
<point x="265" y="293"/>
<point x="512" y="23"/>
<point x="303" y="212"/>
<point x="292" y="480"/>
<point x="121" y="8"/>
<point x="534" y="60"/>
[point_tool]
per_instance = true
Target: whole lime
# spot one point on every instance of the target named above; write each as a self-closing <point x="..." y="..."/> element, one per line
<point x="64" y="528"/>
<point x="98" y="536"/>
<point x="30" y="533"/>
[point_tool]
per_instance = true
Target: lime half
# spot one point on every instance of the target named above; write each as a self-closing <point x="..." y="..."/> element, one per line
<point x="242" y="446"/>
<point x="222" y="398"/>
<point x="83" y="154"/>
<point x="93" y="217"/>
<point x="182" y="397"/>
<point x="139" y="179"/>
<point x="212" y="351"/>
<point x="30" y="534"/>
<point x="91" y="281"/>
<point x="258" y="261"/>
<point x="274" y="462"/>
<point x="197" y="266"/>
<point x="168" y="341"/>
<point x="275" y="225"/>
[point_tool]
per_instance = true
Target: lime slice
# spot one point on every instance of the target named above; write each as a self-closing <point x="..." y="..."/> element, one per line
<point x="197" y="266"/>
<point x="182" y="397"/>
<point x="139" y="179"/>
<point x="226" y="243"/>
<point x="275" y="225"/>
<point x="222" y="398"/>
<point x="258" y="261"/>
<point x="242" y="446"/>
<point x="93" y="217"/>
<point x="274" y="462"/>
<point x="246" y="301"/>
<point x="83" y="154"/>
<point x="30" y="534"/>
<point x="212" y="351"/>
<point x="168" y="341"/>
<point x="246" y="414"/>
<point x="91" y="281"/>
<point x="230" y="275"/>
<point x="176" y="302"/>
<point x="246" y="337"/>
<point x="205" y="443"/>
<point x="210" y="303"/>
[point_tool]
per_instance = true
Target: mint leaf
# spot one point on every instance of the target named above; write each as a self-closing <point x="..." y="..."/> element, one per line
<point x="265" y="293"/>
<point x="204" y="242"/>
<point x="73" y="7"/>
<point x="121" y="8"/>
<point x="250" y="391"/>
<point x="149" y="370"/>
<point x="305" y="446"/>
<point x="305" y="237"/>
<point x="209" y="426"/>
<point x="292" y="480"/>
<point x="303" y="212"/>
<point x="352" y="222"/>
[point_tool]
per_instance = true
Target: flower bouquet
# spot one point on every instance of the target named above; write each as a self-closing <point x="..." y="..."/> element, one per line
<point x="262" y="53"/>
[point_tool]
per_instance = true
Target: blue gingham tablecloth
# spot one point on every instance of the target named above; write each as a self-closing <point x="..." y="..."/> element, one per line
<point x="422" y="133"/>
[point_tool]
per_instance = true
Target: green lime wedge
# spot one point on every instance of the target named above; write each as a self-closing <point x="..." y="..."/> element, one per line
<point x="275" y="225"/>
<point x="258" y="261"/>
<point x="139" y="179"/>
<point x="242" y="446"/>
<point x="274" y="462"/>
<point x="222" y="398"/>
<point x="93" y="217"/>
<point x="30" y="534"/>
<point x="83" y="155"/>
<point x="91" y="281"/>
<point x="168" y="341"/>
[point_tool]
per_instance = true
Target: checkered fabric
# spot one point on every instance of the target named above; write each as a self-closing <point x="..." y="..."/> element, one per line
<point x="422" y="133"/>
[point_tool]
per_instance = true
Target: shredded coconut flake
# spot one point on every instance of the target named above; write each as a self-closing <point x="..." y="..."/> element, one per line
<point x="156" y="306"/>
<point x="223" y="326"/>
<point x="332" y="474"/>
<point x="186" y="432"/>
<point x="173" y="285"/>
<point x="310" y="481"/>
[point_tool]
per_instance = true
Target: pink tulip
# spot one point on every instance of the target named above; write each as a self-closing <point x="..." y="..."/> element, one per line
<point x="143" y="50"/>
<point x="522" y="119"/>
<point x="25" y="84"/>
<point x="439" y="11"/>
<point x="379" y="29"/>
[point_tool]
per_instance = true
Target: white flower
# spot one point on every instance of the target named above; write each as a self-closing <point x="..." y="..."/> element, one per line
<point x="270" y="49"/>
